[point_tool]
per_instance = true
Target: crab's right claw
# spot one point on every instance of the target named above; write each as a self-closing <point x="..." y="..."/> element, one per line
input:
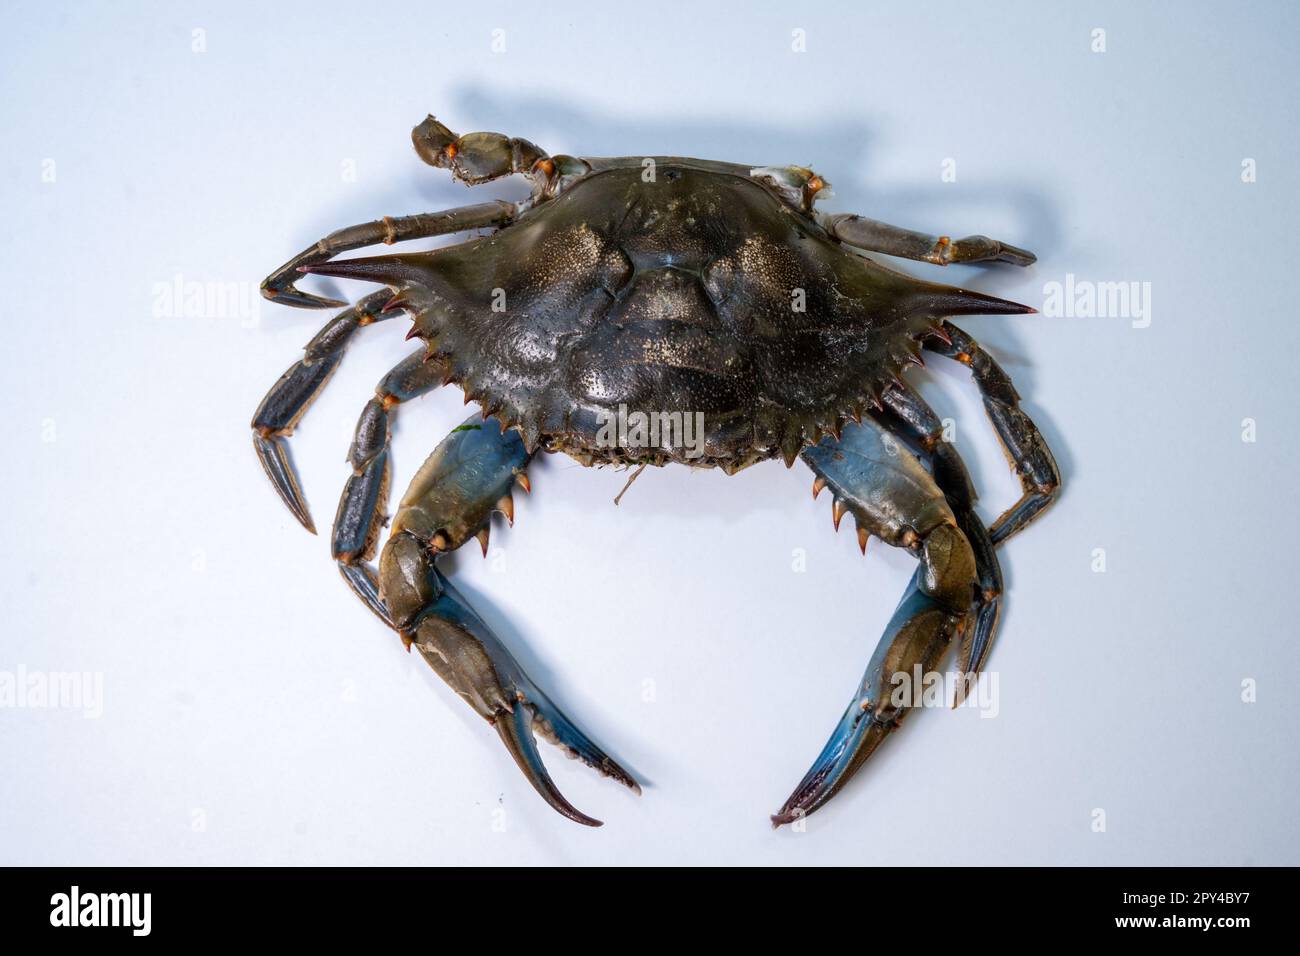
<point x="917" y="636"/>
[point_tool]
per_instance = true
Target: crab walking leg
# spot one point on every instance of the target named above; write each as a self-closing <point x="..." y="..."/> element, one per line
<point x="291" y="396"/>
<point x="892" y="496"/>
<point x="909" y="414"/>
<point x="1028" y="453"/>
<point x="361" y="512"/>
<point x="279" y="287"/>
<point x="450" y="501"/>
<point x="875" y="236"/>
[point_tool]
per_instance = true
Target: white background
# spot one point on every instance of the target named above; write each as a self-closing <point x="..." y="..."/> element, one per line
<point x="254" y="712"/>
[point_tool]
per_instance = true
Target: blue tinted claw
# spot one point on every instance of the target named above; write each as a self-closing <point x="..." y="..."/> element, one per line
<point x="916" y="636"/>
<point x="465" y="653"/>
<point x="891" y="495"/>
<point x="516" y="731"/>
<point x="469" y="476"/>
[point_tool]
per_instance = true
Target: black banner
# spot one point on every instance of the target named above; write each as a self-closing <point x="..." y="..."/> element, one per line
<point x="330" y="905"/>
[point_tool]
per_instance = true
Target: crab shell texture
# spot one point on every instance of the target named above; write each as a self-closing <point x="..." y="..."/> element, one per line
<point x="700" y="288"/>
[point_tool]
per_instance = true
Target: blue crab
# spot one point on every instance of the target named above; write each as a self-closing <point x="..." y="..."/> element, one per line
<point x="674" y="287"/>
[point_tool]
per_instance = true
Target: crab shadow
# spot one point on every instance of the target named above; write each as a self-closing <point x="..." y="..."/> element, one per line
<point x="841" y="150"/>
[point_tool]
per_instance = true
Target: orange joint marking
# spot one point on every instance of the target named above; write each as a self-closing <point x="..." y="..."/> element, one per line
<point x="451" y="150"/>
<point x="388" y="401"/>
<point x="390" y="231"/>
<point x="546" y="166"/>
<point x="963" y="357"/>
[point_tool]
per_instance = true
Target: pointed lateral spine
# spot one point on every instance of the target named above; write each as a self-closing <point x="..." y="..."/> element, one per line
<point x="791" y="445"/>
<point x="530" y="430"/>
<point x="837" y="511"/>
